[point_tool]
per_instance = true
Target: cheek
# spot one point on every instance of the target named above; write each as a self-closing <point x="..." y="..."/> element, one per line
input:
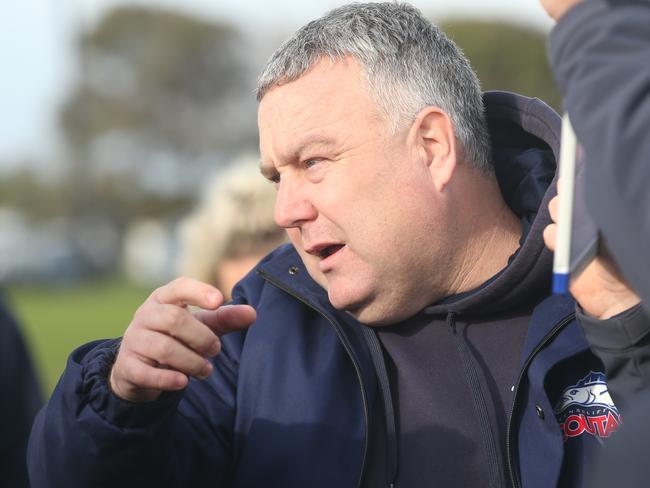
<point x="294" y="236"/>
<point x="404" y="218"/>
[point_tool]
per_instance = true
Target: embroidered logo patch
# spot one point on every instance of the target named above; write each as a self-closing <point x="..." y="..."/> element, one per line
<point x="587" y="408"/>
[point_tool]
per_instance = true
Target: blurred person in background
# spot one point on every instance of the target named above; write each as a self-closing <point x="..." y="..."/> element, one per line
<point x="231" y="229"/>
<point x="20" y="399"/>
<point x="600" y="54"/>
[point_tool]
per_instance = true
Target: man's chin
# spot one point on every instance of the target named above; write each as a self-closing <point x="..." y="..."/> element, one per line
<point x="363" y="306"/>
<point x="371" y="317"/>
<point x="365" y="309"/>
<point x="343" y="301"/>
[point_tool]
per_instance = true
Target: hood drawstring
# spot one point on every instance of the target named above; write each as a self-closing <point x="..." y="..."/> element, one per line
<point x="480" y="406"/>
<point x="377" y="356"/>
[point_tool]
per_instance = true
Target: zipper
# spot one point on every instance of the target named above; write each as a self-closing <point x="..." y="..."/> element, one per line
<point x="514" y="476"/>
<point x="389" y="412"/>
<point x="348" y="350"/>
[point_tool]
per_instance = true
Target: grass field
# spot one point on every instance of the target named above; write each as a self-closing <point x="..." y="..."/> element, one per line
<point x="57" y="320"/>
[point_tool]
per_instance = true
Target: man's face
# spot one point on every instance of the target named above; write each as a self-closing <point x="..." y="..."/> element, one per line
<point x="358" y="203"/>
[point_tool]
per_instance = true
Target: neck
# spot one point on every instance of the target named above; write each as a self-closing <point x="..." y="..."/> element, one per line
<point x="492" y="234"/>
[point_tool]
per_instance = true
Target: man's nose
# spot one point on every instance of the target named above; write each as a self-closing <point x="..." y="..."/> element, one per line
<point x="293" y="207"/>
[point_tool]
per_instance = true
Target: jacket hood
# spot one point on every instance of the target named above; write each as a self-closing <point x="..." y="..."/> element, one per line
<point x="525" y="138"/>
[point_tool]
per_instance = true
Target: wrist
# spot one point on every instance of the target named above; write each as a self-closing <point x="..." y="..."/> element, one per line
<point x="618" y="307"/>
<point x="130" y="393"/>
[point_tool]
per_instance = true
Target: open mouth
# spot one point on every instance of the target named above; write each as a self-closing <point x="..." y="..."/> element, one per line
<point x="324" y="250"/>
<point x="329" y="250"/>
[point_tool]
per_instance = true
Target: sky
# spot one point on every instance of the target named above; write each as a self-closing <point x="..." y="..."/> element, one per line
<point x="38" y="60"/>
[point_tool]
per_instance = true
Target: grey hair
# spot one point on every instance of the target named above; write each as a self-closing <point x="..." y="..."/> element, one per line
<point x="408" y="63"/>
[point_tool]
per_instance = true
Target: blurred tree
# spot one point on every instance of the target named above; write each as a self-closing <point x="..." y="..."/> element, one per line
<point x="506" y="57"/>
<point x="39" y="200"/>
<point x="166" y="76"/>
<point x="162" y="99"/>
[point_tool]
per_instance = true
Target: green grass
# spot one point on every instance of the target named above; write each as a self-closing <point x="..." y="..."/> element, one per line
<point x="57" y="320"/>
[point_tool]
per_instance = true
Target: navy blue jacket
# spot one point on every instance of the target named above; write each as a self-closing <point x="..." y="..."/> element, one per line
<point x="289" y="402"/>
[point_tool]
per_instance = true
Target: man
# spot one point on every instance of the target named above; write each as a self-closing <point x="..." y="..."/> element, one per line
<point x="405" y="339"/>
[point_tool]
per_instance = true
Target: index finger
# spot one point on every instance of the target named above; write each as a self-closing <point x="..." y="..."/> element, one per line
<point x="188" y="291"/>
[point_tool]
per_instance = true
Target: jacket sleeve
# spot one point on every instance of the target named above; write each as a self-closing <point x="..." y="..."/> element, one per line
<point x="600" y="54"/>
<point x="87" y="436"/>
<point x="623" y="345"/>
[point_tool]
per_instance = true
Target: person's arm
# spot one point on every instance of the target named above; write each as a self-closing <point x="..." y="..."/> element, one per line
<point x="97" y="431"/>
<point x="623" y="345"/>
<point x="615" y="325"/>
<point x="600" y="55"/>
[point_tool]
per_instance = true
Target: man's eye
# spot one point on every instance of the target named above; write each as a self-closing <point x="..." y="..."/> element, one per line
<point x="311" y="162"/>
<point x="274" y="179"/>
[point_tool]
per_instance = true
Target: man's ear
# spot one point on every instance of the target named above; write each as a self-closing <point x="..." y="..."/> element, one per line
<point x="432" y="133"/>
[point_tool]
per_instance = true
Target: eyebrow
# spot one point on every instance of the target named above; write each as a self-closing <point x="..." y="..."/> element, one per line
<point x="293" y="153"/>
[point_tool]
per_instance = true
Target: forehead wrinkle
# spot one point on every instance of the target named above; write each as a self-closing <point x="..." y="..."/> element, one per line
<point x="296" y="118"/>
<point x="296" y="150"/>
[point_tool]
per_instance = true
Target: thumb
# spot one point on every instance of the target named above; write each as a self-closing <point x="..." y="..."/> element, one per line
<point x="550" y="235"/>
<point x="228" y="318"/>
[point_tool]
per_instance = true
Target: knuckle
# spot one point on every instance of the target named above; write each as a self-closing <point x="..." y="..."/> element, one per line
<point x="169" y="288"/>
<point x="165" y="351"/>
<point x="179" y="284"/>
<point x="129" y="341"/>
<point x="160" y="349"/>
<point x="200" y="340"/>
<point x="175" y="316"/>
<point x="182" y="281"/>
<point x="159" y="380"/>
<point x="199" y="369"/>
<point x="212" y="347"/>
<point x="204" y="348"/>
<point x="133" y="336"/>
<point x="176" y="327"/>
<point x="138" y="375"/>
<point x="141" y="314"/>
<point x="157" y="292"/>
